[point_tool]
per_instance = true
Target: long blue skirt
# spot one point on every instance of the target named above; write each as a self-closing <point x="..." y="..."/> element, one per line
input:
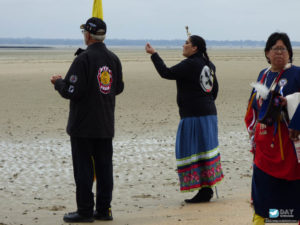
<point x="197" y="153"/>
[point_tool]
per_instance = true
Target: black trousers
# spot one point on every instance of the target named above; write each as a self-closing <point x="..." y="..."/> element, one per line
<point x="84" y="151"/>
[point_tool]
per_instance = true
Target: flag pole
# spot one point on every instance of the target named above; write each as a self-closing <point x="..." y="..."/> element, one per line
<point x="97" y="12"/>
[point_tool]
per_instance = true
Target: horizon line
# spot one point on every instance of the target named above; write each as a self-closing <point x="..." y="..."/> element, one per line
<point x="129" y="39"/>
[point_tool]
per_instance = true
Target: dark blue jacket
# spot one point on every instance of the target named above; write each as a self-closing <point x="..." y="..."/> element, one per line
<point x="289" y="83"/>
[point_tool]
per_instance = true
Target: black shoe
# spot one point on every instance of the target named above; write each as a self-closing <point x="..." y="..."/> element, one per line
<point x="74" y="217"/>
<point x="103" y="214"/>
<point x="203" y="195"/>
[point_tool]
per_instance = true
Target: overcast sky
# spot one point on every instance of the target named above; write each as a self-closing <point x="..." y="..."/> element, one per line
<point x="153" y="19"/>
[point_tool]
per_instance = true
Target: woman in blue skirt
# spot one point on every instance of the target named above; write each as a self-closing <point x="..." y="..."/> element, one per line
<point x="197" y="147"/>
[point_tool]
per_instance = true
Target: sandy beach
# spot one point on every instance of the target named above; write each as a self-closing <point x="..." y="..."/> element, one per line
<point x="36" y="177"/>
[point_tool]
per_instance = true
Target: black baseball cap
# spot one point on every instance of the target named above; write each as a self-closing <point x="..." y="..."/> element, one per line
<point x="94" y="25"/>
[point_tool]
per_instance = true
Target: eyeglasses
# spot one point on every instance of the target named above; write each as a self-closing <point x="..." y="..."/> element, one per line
<point x="83" y="31"/>
<point x="277" y="49"/>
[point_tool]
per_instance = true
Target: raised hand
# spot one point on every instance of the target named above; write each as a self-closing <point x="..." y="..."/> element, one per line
<point x="149" y="49"/>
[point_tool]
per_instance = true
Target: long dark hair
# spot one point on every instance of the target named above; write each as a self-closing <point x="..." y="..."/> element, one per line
<point x="276" y="37"/>
<point x="199" y="42"/>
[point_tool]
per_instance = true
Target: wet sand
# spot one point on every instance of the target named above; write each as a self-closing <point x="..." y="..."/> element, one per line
<point x="36" y="179"/>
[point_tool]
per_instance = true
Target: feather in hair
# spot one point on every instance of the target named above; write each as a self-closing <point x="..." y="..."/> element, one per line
<point x="187" y="31"/>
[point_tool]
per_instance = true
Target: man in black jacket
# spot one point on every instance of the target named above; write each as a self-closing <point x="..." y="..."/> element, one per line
<point x="91" y="84"/>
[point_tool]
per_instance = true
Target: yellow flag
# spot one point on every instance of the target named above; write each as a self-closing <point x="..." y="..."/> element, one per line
<point x="97" y="9"/>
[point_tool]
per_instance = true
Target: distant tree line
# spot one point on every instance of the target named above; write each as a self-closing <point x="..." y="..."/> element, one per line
<point x="125" y="42"/>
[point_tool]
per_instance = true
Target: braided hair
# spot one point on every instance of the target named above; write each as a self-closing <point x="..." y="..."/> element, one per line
<point x="199" y="42"/>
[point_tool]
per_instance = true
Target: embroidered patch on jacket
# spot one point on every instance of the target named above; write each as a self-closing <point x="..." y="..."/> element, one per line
<point x="104" y="79"/>
<point x="73" y="79"/>
<point x="206" y="79"/>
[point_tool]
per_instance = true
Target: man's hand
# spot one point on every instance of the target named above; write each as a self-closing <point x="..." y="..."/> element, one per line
<point x="55" y="78"/>
<point x="149" y="49"/>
